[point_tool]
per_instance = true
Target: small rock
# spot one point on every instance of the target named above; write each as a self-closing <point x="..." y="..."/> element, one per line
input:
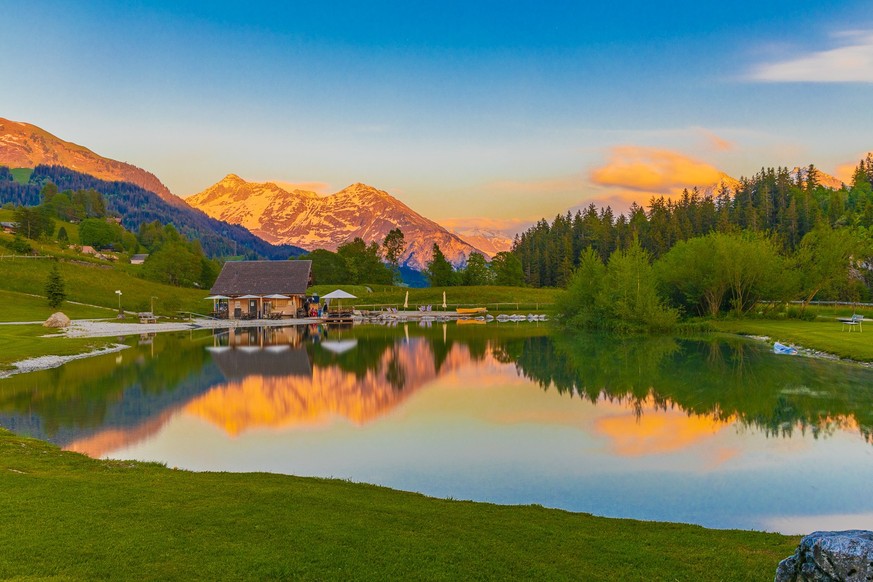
<point x="828" y="556"/>
<point x="57" y="320"/>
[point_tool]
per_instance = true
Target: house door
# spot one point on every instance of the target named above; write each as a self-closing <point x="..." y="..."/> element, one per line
<point x="253" y="307"/>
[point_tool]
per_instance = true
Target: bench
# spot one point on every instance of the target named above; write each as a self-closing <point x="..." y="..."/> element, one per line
<point x="147" y="317"/>
<point x="853" y="321"/>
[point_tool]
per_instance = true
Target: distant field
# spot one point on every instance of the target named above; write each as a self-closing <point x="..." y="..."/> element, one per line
<point x="72" y="229"/>
<point x="22" y="175"/>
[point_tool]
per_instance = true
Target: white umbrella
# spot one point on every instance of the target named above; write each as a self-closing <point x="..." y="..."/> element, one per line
<point x="339" y="294"/>
<point x="249" y="297"/>
<point x="217" y="297"/>
<point x="406" y="301"/>
<point x="276" y="296"/>
<point x="444" y="299"/>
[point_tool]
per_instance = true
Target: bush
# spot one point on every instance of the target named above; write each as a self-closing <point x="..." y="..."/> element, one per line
<point x="800" y="313"/>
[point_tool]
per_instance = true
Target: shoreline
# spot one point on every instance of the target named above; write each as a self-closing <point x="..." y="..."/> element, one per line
<point x="41" y="363"/>
<point x="810" y="352"/>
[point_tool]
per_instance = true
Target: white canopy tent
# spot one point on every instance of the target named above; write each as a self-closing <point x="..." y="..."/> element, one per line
<point x="339" y="294"/>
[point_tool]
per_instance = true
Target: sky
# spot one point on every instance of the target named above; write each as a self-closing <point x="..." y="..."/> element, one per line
<point x="491" y="114"/>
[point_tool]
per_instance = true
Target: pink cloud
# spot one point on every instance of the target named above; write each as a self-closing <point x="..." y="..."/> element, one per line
<point x="846" y="170"/>
<point x="654" y="171"/>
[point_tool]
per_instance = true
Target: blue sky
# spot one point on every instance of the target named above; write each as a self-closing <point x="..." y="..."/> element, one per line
<point x="465" y="111"/>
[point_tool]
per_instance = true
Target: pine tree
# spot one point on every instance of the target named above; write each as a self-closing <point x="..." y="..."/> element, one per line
<point x="54" y="288"/>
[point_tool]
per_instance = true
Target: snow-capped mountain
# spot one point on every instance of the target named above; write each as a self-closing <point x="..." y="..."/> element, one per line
<point x="490" y="242"/>
<point x="823" y="179"/>
<point x="23" y="145"/>
<point x="311" y="221"/>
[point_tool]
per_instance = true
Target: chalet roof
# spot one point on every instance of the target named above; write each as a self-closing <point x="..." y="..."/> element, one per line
<point x="262" y="278"/>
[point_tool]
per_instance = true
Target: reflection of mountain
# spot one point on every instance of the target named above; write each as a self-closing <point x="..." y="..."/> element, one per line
<point x="262" y="398"/>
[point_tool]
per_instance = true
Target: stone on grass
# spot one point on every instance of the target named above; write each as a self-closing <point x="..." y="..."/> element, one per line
<point x="57" y="320"/>
<point x="829" y="556"/>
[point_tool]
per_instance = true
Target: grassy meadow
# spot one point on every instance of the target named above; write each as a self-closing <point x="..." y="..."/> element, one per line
<point x="20" y="342"/>
<point x="823" y="334"/>
<point x="66" y="516"/>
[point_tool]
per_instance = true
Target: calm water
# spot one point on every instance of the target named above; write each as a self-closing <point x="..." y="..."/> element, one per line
<point x="717" y="432"/>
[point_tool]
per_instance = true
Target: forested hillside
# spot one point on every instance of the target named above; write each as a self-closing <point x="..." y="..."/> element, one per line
<point x="138" y="206"/>
<point x="776" y="202"/>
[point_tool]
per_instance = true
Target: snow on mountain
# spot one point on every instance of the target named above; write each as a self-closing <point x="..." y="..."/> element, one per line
<point x="308" y="220"/>
<point x="23" y="145"/>
<point x="823" y="179"/>
<point x="489" y="241"/>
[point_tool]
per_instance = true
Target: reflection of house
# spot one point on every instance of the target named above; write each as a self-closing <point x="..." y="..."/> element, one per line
<point x="138" y="259"/>
<point x="272" y="361"/>
<point x="246" y="289"/>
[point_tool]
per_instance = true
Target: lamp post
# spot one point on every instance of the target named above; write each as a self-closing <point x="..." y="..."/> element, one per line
<point x="120" y="312"/>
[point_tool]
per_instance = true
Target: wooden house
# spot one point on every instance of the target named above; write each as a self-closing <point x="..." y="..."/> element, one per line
<point x="261" y="289"/>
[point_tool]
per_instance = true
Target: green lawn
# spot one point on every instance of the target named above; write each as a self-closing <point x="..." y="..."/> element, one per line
<point x="69" y="517"/>
<point x="21" y="307"/>
<point x="826" y="335"/>
<point x="96" y="285"/>
<point x="20" y="342"/>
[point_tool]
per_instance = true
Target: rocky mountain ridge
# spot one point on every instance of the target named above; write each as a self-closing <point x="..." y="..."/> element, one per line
<point x="311" y="221"/>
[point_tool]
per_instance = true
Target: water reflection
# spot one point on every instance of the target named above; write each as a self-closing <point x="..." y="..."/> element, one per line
<point x="709" y="431"/>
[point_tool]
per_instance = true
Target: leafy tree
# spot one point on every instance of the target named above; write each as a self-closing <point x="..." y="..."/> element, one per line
<point x="393" y="247"/>
<point x="364" y="262"/>
<point x="476" y="272"/>
<point x="328" y="268"/>
<point x="174" y="263"/>
<point x="621" y="296"/>
<point x="34" y="222"/>
<point x="507" y="270"/>
<point x="629" y="296"/>
<point x="439" y="271"/>
<point x="54" y="288"/>
<point x="824" y="259"/>
<point x="577" y="305"/>
<point x="98" y="233"/>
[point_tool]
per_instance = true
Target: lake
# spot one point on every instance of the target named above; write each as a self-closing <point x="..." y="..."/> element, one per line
<point x="716" y="431"/>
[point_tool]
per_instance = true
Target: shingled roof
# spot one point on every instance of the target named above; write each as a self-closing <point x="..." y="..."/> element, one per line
<point x="263" y="278"/>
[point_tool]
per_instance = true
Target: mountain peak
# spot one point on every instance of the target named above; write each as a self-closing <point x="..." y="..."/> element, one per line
<point x="233" y="179"/>
<point x="313" y="221"/>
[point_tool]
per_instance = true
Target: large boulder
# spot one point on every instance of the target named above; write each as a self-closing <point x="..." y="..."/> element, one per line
<point x="57" y="320"/>
<point x="829" y="556"/>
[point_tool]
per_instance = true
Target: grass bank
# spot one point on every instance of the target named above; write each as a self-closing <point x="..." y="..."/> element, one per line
<point x="21" y="342"/>
<point x="826" y="335"/>
<point x="66" y="516"/>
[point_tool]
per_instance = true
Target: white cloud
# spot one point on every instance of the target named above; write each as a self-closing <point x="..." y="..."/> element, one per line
<point x="851" y="63"/>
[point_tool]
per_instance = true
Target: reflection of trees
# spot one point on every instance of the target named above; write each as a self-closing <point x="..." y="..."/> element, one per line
<point x="720" y="378"/>
<point x="88" y="393"/>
